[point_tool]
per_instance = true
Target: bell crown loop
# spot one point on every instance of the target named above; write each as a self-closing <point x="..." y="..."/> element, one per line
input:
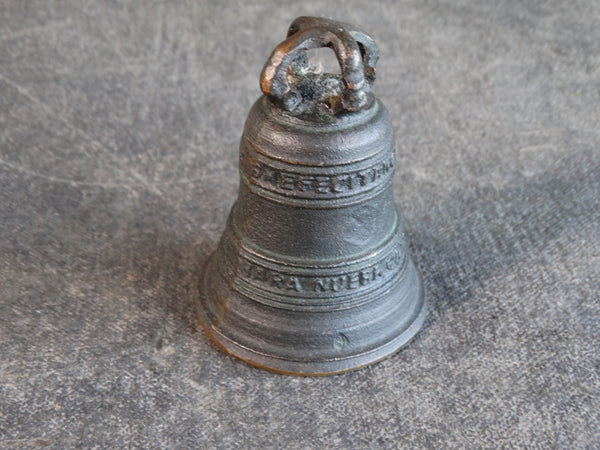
<point x="355" y="51"/>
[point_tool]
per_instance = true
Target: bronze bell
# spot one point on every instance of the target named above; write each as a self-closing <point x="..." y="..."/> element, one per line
<point x="312" y="275"/>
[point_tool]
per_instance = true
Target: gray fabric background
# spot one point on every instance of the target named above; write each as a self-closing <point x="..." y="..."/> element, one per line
<point x="119" y="127"/>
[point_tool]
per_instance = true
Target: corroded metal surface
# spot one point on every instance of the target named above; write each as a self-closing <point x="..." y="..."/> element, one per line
<point x="312" y="274"/>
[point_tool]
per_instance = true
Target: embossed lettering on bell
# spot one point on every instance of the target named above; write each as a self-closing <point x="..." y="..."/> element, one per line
<point x="312" y="275"/>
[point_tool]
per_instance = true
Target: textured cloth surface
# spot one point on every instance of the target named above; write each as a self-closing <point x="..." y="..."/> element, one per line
<point x="119" y="131"/>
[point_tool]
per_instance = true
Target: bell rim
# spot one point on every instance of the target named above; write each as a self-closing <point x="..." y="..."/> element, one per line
<point x="307" y="368"/>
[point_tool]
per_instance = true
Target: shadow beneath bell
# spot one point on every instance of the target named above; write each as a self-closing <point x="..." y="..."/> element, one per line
<point x="471" y="236"/>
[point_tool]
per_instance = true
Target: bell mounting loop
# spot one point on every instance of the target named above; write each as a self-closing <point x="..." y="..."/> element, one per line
<point x="355" y="51"/>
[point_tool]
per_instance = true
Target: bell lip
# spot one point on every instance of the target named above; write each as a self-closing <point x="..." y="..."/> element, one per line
<point x="307" y="368"/>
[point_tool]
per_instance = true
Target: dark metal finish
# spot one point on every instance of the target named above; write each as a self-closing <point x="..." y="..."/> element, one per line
<point x="312" y="275"/>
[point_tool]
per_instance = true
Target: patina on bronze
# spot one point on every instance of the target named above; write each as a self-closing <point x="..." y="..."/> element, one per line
<point x="312" y="275"/>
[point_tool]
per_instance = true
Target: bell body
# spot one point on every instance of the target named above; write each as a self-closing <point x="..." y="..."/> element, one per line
<point x="312" y="275"/>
